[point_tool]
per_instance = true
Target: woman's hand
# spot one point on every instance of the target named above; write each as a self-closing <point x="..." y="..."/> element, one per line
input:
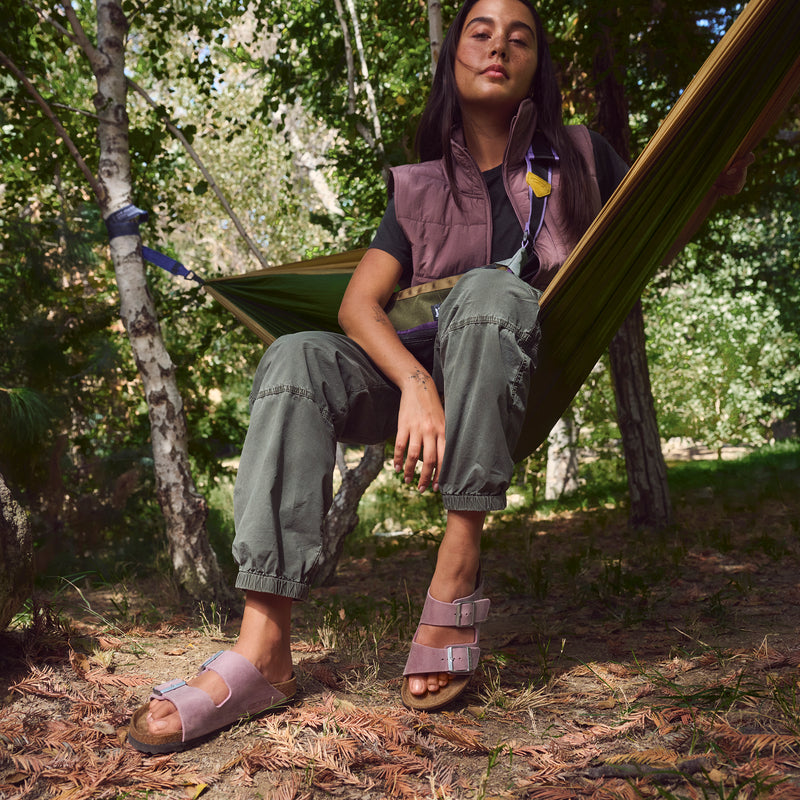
<point x="420" y="431"/>
<point x="420" y="421"/>
<point x="733" y="179"/>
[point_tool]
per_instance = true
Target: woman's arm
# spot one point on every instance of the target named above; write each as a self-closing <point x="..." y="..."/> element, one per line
<point x="420" y="422"/>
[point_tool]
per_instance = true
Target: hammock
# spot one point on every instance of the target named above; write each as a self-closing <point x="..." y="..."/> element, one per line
<point x="735" y="98"/>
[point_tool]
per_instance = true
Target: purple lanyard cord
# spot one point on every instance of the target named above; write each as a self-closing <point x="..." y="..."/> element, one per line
<point x="526" y="236"/>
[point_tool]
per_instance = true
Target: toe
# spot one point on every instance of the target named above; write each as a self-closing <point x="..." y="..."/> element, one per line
<point x="160" y="709"/>
<point x="417" y="684"/>
<point x="163" y="717"/>
<point x="420" y="684"/>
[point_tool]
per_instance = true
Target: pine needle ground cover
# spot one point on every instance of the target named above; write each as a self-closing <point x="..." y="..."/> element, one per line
<point x="617" y="665"/>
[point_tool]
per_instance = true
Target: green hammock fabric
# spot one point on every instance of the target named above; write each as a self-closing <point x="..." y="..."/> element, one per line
<point x="732" y="102"/>
<point x="287" y="299"/>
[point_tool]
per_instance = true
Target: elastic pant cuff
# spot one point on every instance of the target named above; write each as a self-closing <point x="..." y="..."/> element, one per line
<point x="256" y="582"/>
<point x="474" y="502"/>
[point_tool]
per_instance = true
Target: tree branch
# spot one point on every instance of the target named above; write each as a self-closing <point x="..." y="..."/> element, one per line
<point x="373" y="139"/>
<point x="348" y="54"/>
<point x="73" y="110"/>
<point x="373" y="106"/>
<point x="51" y="115"/>
<point x="45" y="17"/>
<point x="178" y="134"/>
<point x="97" y="59"/>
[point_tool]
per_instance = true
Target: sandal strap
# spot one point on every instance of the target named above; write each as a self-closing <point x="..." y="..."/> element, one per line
<point x="457" y="659"/>
<point x="467" y="612"/>
<point x="248" y="693"/>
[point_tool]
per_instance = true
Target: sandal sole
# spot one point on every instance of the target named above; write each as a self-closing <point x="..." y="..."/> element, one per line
<point x="432" y="701"/>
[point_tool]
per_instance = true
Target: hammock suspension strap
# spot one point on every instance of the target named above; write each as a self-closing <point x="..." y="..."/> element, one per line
<point x="126" y="222"/>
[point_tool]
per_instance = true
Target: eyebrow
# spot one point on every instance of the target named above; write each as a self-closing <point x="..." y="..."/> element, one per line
<point x="491" y="21"/>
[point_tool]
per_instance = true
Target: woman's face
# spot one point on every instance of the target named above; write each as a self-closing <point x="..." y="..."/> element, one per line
<point x="496" y="56"/>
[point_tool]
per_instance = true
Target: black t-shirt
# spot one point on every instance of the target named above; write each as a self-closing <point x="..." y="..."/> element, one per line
<point x="506" y="230"/>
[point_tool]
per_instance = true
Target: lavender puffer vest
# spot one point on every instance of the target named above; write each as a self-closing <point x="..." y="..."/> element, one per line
<point x="447" y="240"/>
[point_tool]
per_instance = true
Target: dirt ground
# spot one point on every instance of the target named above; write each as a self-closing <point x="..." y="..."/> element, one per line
<point x="616" y="665"/>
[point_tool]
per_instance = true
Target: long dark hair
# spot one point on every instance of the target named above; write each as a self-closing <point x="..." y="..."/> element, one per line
<point x="442" y="113"/>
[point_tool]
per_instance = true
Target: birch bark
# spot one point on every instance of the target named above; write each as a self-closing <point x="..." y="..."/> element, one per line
<point x="435" y="32"/>
<point x="343" y="514"/>
<point x="561" y="477"/>
<point x="185" y="509"/>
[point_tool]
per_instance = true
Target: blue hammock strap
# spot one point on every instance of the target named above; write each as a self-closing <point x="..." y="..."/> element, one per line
<point x="126" y="222"/>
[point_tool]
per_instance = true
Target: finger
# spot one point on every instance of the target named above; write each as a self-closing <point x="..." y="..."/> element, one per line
<point x="439" y="459"/>
<point x="400" y="443"/>
<point x="428" y="466"/>
<point x="412" y="457"/>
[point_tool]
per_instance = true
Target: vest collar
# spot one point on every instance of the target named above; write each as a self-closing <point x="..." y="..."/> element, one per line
<point x="523" y="125"/>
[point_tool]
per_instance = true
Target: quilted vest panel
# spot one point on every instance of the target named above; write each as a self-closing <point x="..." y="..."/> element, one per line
<point x="447" y="240"/>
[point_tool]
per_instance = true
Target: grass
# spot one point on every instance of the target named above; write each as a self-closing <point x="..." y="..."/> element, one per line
<point x="358" y="625"/>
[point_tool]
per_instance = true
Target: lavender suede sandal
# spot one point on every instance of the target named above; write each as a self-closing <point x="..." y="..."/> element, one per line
<point x="460" y="660"/>
<point x="249" y="693"/>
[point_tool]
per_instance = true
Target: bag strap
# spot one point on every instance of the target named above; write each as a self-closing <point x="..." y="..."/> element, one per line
<point x="539" y="160"/>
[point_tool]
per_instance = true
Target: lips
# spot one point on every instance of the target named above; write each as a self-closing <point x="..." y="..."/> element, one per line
<point x="495" y="70"/>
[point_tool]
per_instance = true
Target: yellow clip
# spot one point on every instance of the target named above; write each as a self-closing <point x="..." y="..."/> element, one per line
<point x="541" y="188"/>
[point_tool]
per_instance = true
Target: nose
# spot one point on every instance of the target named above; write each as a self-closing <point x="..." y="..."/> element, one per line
<point x="499" y="47"/>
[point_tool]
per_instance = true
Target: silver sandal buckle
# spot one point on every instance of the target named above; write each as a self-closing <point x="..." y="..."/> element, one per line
<point x="162" y="690"/>
<point x="451" y="667"/>
<point x="211" y="658"/>
<point x="460" y="613"/>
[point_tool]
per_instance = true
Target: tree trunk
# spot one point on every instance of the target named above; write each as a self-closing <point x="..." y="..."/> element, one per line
<point x="185" y="510"/>
<point x="636" y="415"/>
<point x="343" y="514"/>
<point x="561" y="477"/>
<point x="435" y="32"/>
<point x="16" y="549"/>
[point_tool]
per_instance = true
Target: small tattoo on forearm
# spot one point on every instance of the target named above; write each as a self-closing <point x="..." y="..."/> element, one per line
<point x="379" y="314"/>
<point x="421" y="378"/>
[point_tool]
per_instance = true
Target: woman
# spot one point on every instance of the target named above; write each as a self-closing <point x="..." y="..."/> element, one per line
<point x="459" y="414"/>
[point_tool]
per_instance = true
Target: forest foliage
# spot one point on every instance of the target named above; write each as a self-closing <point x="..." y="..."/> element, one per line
<point x="266" y="98"/>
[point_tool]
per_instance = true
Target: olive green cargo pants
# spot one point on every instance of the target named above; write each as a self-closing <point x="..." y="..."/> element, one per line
<point x="314" y="389"/>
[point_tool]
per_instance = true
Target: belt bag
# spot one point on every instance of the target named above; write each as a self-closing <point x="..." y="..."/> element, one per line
<point x="414" y="312"/>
